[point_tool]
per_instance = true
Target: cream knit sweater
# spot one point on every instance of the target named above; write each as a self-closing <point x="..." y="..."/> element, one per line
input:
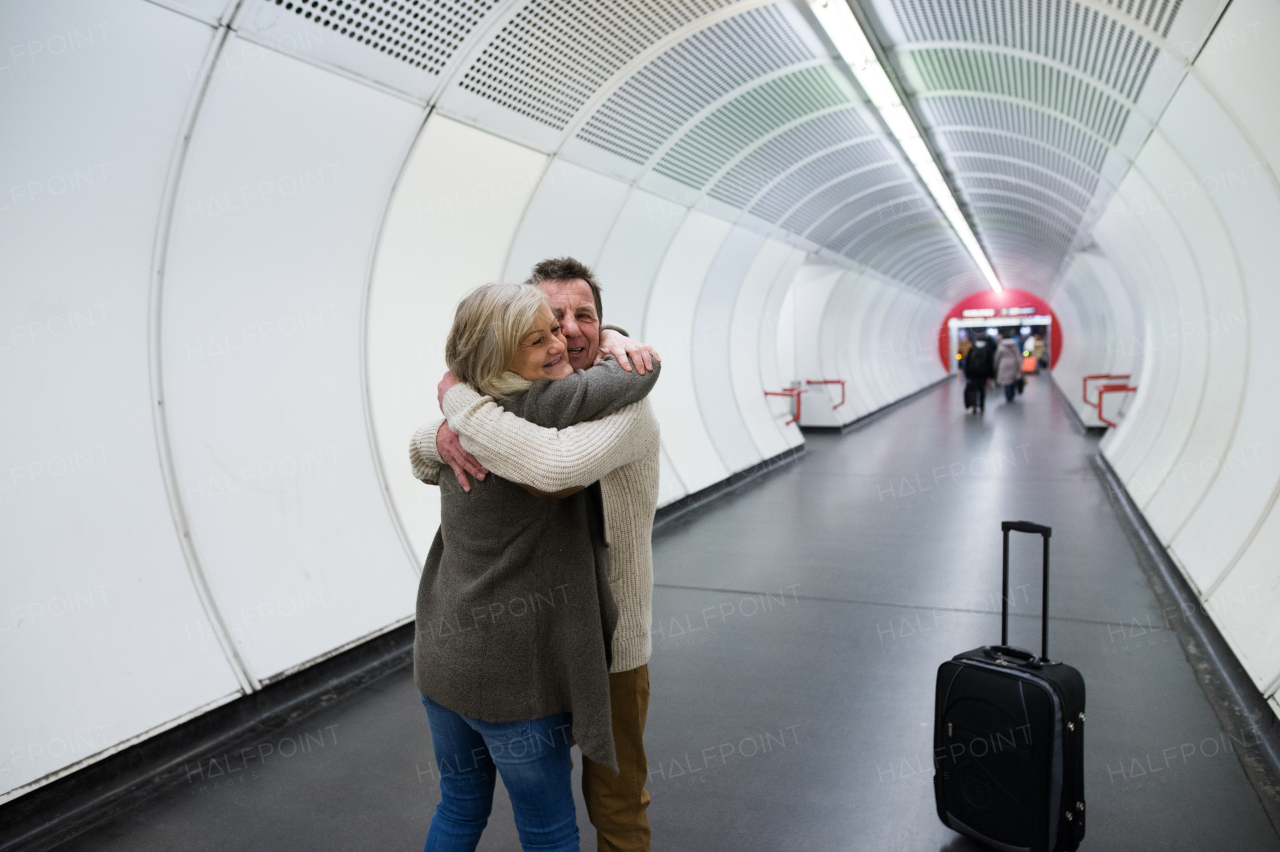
<point x="621" y="451"/>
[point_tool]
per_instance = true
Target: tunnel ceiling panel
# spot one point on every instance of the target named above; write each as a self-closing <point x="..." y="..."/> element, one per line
<point x="644" y="113"/>
<point x="408" y="46"/>
<point x="1035" y="109"/>
<point x="753" y="113"/>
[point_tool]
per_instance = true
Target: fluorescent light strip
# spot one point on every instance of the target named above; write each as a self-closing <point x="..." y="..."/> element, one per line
<point x="843" y="29"/>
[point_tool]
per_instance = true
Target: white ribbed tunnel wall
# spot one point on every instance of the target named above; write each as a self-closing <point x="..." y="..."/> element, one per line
<point x="1180" y="290"/>
<point x="235" y="236"/>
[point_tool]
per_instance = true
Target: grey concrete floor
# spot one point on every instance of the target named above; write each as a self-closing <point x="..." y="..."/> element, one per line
<point x="798" y="626"/>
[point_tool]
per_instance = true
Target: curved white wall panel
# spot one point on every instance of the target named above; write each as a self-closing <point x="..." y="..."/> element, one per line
<point x="1149" y="247"/>
<point x="777" y="345"/>
<point x="103" y="638"/>
<point x="749" y="336"/>
<point x="1191" y="239"/>
<point x="286" y="180"/>
<point x="1224" y="356"/>
<point x="630" y="259"/>
<point x="812" y="288"/>
<point x="571" y="214"/>
<point x="669" y="326"/>
<point x="1250" y="219"/>
<point x="712" y="335"/>
<point x="447" y="231"/>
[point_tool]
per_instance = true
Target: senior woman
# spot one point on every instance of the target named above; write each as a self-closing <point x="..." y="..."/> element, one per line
<point x="514" y="613"/>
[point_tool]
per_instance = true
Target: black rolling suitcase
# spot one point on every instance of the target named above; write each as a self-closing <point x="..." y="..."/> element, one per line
<point x="1008" y="738"/>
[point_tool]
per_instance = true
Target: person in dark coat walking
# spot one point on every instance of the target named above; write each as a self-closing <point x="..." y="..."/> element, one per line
<point x="978" y="369"/>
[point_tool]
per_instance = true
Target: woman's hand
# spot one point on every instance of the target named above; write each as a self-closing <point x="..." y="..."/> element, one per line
<point x="447" y="382"/>
<point x="627" y="351"/>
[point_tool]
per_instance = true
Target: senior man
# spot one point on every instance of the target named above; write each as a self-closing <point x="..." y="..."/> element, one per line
<point x="621" y="451"/>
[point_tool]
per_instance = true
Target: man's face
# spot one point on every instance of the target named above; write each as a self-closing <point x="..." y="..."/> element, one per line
<point x="575" y="308"/>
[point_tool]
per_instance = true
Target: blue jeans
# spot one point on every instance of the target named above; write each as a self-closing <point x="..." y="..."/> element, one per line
<point x="533" y="757"/>
<point x="1009" y="392"/>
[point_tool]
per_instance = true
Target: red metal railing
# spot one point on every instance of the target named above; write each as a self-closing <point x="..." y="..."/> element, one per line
<point x="1103" y="390"/>
<point x="794" y="393"/>
<point x="839" y="382"/>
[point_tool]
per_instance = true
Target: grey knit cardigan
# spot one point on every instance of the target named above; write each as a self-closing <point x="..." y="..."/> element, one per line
<point x="514" y="614"/>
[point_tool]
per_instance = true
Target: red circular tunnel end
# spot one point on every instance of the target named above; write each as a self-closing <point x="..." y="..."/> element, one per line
<point x="1002" y="306"/>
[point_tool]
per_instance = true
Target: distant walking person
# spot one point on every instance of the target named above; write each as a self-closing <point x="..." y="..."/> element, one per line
<point x="978" y="365"/>
<point x="1008" y="365"/>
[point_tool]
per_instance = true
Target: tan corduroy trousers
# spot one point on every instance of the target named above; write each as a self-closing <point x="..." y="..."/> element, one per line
<point x="617" y="804"/>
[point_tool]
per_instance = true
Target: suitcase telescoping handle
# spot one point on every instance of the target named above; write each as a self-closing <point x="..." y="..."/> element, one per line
<point x="1044" y="532"/>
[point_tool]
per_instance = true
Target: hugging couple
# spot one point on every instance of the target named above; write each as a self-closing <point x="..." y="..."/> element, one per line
<point x="535" y="601"/>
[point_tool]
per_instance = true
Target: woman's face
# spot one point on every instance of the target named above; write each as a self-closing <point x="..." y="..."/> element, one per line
<point x="543" y="352"/>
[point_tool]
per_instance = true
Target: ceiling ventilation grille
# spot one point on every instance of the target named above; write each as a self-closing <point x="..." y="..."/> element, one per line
<point x="974" y="71"/>
<point x="851" y="195"/>
<point x="1054" y="211"/>
<point x="733" y="127"/>
<point x="1067" y="32"/>
<point x="869" y="161"/>
<point x="973" y="113"/>
<point x="1041" y="183"/>
<point x="928" y="257"/>
<point x="868" y="241"/>
<point x="747" y="178"/>
<point x="963" y="146"/>
<point x="867" y="210"/>
<point x="551" y="57"/>
<point x="421" y="33"/>
<point x="647" y="109"/>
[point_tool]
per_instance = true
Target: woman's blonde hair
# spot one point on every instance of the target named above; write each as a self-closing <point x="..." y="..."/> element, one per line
<point x="486" y="332"/>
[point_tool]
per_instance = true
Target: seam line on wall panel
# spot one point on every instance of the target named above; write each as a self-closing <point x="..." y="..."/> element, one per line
<point x="644" y="316"/>
<point x="1201" y="280"/>
<point x="160" y="418"/>
<point x="1163" y="417"/>
<point x="338" y="70"/>
<point x="524" y="215"/>
<point x="727" y="351"/>
<point x="210" y="22"/>
<point x="755" y="361"/>
<point x="366" y="400"/>
<point x="1217" y="19"/>
<point x="1204" y="383"/>
<point x="693" y="380"/>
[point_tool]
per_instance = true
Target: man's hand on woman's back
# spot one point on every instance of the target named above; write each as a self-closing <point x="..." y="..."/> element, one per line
<point x="450" y="451"/>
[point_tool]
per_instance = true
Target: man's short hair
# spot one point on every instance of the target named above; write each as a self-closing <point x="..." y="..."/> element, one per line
<point x="567" y="269"/>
